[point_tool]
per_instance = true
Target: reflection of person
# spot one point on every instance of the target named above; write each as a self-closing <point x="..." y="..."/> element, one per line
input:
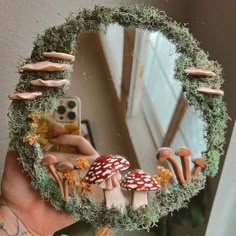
<point x="22" y="211"/>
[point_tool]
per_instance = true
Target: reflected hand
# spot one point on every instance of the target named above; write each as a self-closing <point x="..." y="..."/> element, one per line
<point x="22" y="209"/>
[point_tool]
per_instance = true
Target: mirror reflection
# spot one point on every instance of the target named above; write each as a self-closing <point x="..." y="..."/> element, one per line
<point x="129" y="97"/>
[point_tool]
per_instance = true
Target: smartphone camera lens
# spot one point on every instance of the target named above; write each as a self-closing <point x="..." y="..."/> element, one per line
<point x="71" y="115"/>
<point x="61" y="109"/>
<point x="71" y="104"/>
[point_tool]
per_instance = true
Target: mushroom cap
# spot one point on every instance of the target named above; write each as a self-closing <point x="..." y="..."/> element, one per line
<point x="104" y="167"/>
<point x="138" y="180"/>
<point x="65" y="167"/>
<point x="200" y="162"/>
<point x="199" y="72"/>
<point x="48" y="160"/>
<point x="207" y="90"/>
<point x="59" y="55"/>
<point x="183" y="151"/>
<point x="45" y="66"/>
<point x="163" y="153"/>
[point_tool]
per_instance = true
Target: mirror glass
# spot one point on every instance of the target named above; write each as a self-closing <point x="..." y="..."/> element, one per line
<point x="125" y="80"/>
<point x="131" y="104"/>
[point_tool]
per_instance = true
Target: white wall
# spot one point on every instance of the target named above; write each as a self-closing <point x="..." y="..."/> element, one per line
<point x="113" y="42"/>
<point x="91" y="84"/>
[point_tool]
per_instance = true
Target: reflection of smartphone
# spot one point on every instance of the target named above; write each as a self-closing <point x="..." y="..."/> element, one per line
<point x="68" y="111"/>
<point x="66" y="119"/>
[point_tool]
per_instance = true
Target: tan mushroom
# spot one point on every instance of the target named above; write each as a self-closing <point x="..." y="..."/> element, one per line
<point x="45" y="66"/>
<point x="165" y="154"/>
<point x="65" y="167"/>
<point x="50" y="83"/>
<point x="24" y="95"/>
<point x="199" y="72"/>
<point x="200" y="164"/>
<point x="59" y="55"/>
<point x="49" y="161"/>
<point x="184" y="154"/>
<point x="211" y="91"/>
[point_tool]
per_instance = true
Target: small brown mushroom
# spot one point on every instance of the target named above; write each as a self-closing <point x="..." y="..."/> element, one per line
<point x="200" y="164"/>
<point x="184" y="153"/>
<point x="45" y="66"/>
<point x="211" y="91"/>
<point x="166" y="154"/>
<point x="59" y="55"/>
<point x="49" y="83"/>
<point x="65" y="167"/>
<point x="24" y="95"/>
<point x="199" y="72"/>
<point x="49" y="161"/>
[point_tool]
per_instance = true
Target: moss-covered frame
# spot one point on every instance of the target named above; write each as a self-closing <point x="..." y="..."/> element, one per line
<point x="63" y="38"/>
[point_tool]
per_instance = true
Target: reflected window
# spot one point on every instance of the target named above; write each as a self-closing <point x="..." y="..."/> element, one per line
<point x="161" y="90"/>
<point x="156" y="113"/>
<point x="159" y="96"/>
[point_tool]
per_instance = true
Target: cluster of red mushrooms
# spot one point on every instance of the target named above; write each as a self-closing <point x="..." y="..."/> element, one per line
<point x="105" y="172"/>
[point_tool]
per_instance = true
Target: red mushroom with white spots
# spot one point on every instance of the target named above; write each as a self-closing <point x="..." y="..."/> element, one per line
<point x="104" y="171"/>
<point x="140" y="183"/>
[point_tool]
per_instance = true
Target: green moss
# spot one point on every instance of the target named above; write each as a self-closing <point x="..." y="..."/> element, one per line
<point x="63" y="38"/>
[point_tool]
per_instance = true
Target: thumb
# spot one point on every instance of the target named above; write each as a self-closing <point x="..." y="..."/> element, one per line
<point x="84" y="146"/>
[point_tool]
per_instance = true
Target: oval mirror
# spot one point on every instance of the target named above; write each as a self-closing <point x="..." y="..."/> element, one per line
<point x="146" y="91"/>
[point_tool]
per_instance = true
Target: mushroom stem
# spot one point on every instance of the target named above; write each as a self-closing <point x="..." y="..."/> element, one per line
<point x="186" y="167"/>
<point x="166" y="154"/>
<point x="139" y="199"/>
<point x="66" y="189"/>
<point x="177" y="170"/>
<point x="114" y="198"/>
<point x="184" y="153"/>
<point x="197" y="170"/>
<point x="57" y="178"/>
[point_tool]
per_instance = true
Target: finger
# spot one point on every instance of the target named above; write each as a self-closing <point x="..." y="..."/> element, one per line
<point x="72" y="157"/>
<point x="83" y="145"/>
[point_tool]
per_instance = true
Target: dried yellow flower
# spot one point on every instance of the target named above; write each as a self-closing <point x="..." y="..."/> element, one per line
<point x="34" y="117"/>
<point x="34" y="125"/>
<point x="82" y="163"/>
<point x="70" y="176"/>
<point x="163" y="177"/>
<point x="31" y="139"/>
<point x="85" y="185"/>
<point x="77" y="184"/>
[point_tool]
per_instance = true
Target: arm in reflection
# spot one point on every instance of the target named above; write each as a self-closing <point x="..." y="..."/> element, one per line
<point x="22" y="210"/>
